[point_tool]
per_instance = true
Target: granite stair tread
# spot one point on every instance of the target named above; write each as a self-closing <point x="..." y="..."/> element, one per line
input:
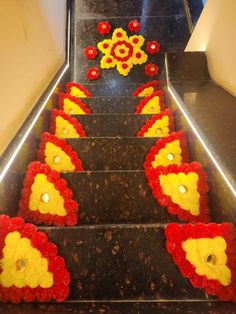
<point x="115" y="197"/>
<point x="112" y="153"/>
<point x="110" y="125"/>
<point x="121" y="262"/>
<point x="109" y="104"/>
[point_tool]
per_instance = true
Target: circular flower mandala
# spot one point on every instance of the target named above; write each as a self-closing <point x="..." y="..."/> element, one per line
<point x="122" y="51"/>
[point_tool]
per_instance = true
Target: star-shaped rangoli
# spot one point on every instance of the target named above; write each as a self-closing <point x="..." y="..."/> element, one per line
<point x="122" y="51"/>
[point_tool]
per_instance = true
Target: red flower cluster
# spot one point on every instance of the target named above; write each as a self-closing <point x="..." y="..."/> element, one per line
<point x="138" y="91"/>
<point x="134" y="26"/>
<point x="93" y="74"/>
<point x="153" y="176"/>
<point x="128" y="45"/>
<point x="90" y="52"/>
<point x="47" y="137"/>
<point x="161" y="143"/>
<point x="104" y="28"/>
<point x="154" y="118"/>
<point x="176" y="234"/>
<point x="146" y="99"/>
<point x="60" y="184"/>
<point x="60" y="113"/>
<point x="152" y="47"/>
<point x="69" y="85"/>
<point x="75" y="100"/>
<point x="56" y="264"/>
<point x="151" y="69"/>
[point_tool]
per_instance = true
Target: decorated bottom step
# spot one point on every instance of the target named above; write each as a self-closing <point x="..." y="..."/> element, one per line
<point x="121" y="262"/>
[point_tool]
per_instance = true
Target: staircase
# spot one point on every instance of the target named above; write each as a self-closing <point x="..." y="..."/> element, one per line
<point x="116" y="254"/>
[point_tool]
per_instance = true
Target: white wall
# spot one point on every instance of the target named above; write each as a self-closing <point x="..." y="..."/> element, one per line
<point x="215" y="33"/>
<point x="32" y="36"/>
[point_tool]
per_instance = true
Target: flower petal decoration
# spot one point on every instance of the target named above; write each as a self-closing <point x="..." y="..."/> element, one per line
<point x="206" y="255"/>
<point x="152" y="47"/>
<point x="167" y="151"/>
<point x="64" y="126"/>
<point x="151" y="69"/>
<point x="122" y="52"/>
<point x="134" y="26"/>
<point x="90" y="52"/>
<point x="57" y="154"/>
<point x="72" y="105"/>
<point x="77" y="90"/>
<point x="104" y="28"/>
<point x="93" y="74"/>
<point x="46" y="198"/>
<point x="146" y="89"/>
<point x="31" y="269"/>
<point x="182" y="189"/>
<point x="160" y="125"/>
<point x="151" y="104"/>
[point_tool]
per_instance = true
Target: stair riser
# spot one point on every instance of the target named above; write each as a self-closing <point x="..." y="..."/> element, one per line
<point x="112" y="153"/>
<point x="112" y="104"/>
<point x="121" y="263"/>
<point x="115" y="197"/>
<point x="112" y="125"/>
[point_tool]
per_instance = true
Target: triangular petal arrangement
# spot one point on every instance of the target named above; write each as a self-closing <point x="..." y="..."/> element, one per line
<point x="151" y="104"/>
<point x="206" y="255"/>
<point x="167" y="151"/>
<point x="64" y="126"/>
<point x="72" y="105"/>
<point x="160" y="125"/>
<point x="59" y="155"/>
<point x="146" y="89"/>
<point x="46" y="198"/>
<point x="77" y="90"/>
<point x="31" y="270"/>
<point x="182" y="190"/>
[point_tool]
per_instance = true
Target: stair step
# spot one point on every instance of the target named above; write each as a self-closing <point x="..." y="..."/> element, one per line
<point x="112" y="104"/>
<point x="121" y="262"/>
<point x="106" y="153"/>
<point x="122" y="307"/>
<point x="111" y="125"/>
<point x="115" y="197"/>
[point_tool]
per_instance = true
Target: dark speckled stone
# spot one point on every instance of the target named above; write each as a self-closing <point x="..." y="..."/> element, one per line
<point x="111" y="104"/>
<point x="112" y="153"/>
<point x="112" y="125"/>
<point x="200" y="307"/>
<point x="128" y="8"/>
<point x="115" y="197"/>
<point x="121" y="262"/>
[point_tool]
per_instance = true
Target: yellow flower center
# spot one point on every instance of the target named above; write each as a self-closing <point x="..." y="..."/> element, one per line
<point x="23" y="265"/>
<point x="209" y="258"/>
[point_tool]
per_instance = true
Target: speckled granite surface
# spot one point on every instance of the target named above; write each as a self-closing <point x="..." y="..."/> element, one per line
<point x="104" y="125"/>
<point x="115" y="197"/>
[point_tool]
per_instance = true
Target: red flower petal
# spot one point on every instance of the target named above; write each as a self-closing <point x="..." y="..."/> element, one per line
<point x="151" y="69"/>
<point x="93" y="74"/>
<point x="104" y="28"/>
<point x="90" y="52"/>
<point x="69" y="85"/>
<point x="134" y="26"/>
<point x="152" y="47"/>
